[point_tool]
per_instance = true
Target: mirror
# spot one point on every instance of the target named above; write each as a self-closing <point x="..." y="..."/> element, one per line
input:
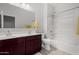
<point x="15" y="17"/>
<point x="0" y="21"/>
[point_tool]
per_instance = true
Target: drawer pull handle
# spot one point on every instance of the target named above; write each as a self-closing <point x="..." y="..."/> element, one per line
<point x="4" y="52"/>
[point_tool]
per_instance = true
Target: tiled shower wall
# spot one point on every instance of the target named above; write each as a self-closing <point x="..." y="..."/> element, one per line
<point x="66" y="17"/>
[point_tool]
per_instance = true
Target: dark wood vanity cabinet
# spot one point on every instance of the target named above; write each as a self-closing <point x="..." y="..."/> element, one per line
<point x="7" y="46"/>
<point x="21" y="46"/>
<point x="33" y="44"/>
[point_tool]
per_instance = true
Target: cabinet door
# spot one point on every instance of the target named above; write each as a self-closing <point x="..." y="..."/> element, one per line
<point x="33" y="44"/>
<point x="21" y="46"/>
<point x="3" y="49"/>
<point x="8" y="46"/>
<point x="14" y="46"/>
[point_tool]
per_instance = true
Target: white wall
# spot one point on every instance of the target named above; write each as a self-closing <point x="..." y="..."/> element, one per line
<point x="50" y="21"/>
<point x="66" y="38"/>
<point x="45" y="19"/>
<point x="48" y="18"/>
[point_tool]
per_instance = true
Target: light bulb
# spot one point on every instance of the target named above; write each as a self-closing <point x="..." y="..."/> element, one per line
<point x="28" y="6"/>
<point x="23" y="4"/>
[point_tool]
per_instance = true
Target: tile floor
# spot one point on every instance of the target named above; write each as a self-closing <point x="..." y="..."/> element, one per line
<point x="53" y="51"/>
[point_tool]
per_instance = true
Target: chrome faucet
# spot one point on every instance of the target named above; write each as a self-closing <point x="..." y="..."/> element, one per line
<point x="8" y="33"/>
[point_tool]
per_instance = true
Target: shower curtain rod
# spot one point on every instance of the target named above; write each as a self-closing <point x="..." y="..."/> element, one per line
<point x="65" y="11"/>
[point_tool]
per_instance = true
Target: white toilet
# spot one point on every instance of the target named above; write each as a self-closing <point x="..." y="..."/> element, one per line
<point x="47" y="42"/>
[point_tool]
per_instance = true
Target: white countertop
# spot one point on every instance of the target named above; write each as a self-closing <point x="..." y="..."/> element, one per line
<point x="5" y="37"/>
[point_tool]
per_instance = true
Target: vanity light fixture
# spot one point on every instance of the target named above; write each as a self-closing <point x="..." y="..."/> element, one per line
<point x="23" y="6"/>
<point x="27" y="5"/>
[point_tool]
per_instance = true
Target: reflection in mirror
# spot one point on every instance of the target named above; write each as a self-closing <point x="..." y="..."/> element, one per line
<point x="15" y="17"/>
<point x="9" y="22"/>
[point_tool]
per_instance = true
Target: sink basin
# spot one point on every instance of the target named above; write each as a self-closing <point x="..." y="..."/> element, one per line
<point x="2" y="35"/>
<point x="19" y="35"/>
<point x="23" y="34"/>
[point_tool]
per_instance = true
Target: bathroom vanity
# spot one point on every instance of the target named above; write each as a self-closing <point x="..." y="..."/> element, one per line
<point x="24" y="45"/>
<point x="15" y="38"/>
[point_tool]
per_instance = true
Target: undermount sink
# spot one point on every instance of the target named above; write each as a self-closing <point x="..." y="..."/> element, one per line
<point x="18" y="35"/>
<point x="23" y="34"/>
<point x="2" y="35"/>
